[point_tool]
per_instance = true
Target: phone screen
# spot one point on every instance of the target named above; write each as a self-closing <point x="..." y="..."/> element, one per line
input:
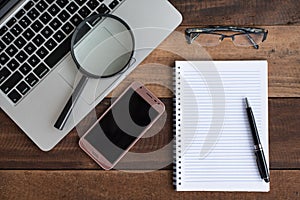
<point x="121" y="125"/>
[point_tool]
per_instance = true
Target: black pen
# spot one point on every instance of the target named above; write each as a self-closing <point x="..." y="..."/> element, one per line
<point x="258" y="150"/>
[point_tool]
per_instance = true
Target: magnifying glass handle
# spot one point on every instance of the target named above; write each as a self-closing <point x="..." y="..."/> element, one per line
<point x="64" y="115"/>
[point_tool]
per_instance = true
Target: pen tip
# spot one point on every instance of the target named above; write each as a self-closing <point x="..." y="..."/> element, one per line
<point x="247" y="103"/>
<point x="267" y="180"/>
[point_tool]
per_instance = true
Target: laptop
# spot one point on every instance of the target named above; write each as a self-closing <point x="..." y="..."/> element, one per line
<point x="37" y="73"/>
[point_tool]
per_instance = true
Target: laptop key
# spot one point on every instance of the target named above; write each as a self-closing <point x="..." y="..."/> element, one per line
<point x="11" y="22"/>
<point x="62" y="3"/>
<point x="76" y="19"/>
<point x="11" y="82"/>
<point x="30" y="48"/>
<point x="59" y="52"/>
<point x="11" y="50"/>
<point x="16" y="30"/>
<point x="113" y="4"/>
<point x="7" y="38"/>
<point x="55" y="24"/>
<point x="34" y="61"/>
<point x="47" y="32"/>
<point x="64" y="16"/>
<point x="67" y="28"/>
<point x="28" y="34"/>
<point x="20" y="14"/>
<point x="72" y="7"/>
<point x="54" y="10"/>
<point x="45" y="18"/>
<point x="84" y="12"/>
<point x="21" y="56"/>
<point x="20" y="42"/>
<point x="41" y="70"/>
<point x="59" y="36"/>
<point x="3" y="30"/>
<point x="25" y="69"/>
<point x="38" y="40"/>
<point x="14" y="96"/>
<point x="42" y="6"/>
<point x="3" y="58"/>
<point x="31" y="79"/>
<point x="92" y="4"/>
<point x="23" y="88"/>
<point x="29" y="5"/>
<point x="13" y="65"/>
<point x="33" y="14"/>
<point x="50" y="44"/>
<point x="42" y="52"/>
<point x="37" y="26"/>
<point x="25" y="22"/>
<point x="103" y="9"/>
<point x="4" y="73"/>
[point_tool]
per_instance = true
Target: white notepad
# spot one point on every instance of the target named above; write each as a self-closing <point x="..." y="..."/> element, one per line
<point x="214" y="145"/>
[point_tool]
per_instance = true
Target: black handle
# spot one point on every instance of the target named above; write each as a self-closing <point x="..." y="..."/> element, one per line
<point x="262" y="165"/>
<point x="63" y="117"/>
<point x="253" y="127"/>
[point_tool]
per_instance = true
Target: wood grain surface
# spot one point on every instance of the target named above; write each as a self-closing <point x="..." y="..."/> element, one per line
<point x="235" y="12"/>
<point x="18" y="152"/>
<point x="68" y="173"/>
<point x="121" y="185"/>
<point x="281" y="50"/>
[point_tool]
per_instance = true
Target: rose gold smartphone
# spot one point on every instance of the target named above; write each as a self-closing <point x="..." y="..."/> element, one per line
<point x="122" y="125"/>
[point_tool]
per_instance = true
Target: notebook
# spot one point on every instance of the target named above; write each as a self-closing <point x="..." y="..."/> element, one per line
<point x="214" y="148"/>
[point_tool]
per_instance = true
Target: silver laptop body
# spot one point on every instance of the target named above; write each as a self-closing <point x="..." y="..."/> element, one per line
<point x="151" y="21"/>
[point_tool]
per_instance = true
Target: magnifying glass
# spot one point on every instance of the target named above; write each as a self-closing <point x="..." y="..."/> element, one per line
<point x="102" y="46"/>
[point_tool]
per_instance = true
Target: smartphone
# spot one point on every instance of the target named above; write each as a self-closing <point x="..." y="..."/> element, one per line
<point x="122" y="125"/>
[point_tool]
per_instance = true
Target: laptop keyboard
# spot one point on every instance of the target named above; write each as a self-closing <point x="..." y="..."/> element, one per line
<point x="37" y="37"/>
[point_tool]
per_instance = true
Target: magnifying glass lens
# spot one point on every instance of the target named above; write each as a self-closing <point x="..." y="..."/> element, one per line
<point x="103" y="46"/>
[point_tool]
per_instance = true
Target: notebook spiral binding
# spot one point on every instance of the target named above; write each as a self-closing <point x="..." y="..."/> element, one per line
<point x="176" y="128"/>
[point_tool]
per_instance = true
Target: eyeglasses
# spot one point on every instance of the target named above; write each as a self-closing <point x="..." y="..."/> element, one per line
<point x="211" y="36"/>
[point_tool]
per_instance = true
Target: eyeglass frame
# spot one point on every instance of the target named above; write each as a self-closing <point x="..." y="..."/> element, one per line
<point x="212" y="29"/>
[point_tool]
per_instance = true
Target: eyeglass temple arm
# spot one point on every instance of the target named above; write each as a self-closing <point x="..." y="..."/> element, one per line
<point x="255" y="45"/>
<point x="265" y="35"/>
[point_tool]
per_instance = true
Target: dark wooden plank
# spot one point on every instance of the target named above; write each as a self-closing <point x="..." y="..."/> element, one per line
<point x="232" y="12"/>
<point x="18" y="152"/>
<point x="284" y="126"/>
<point x="120" y="185"/>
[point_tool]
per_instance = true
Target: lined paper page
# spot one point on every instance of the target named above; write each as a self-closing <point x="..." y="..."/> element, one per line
<point x="214" y="145"/>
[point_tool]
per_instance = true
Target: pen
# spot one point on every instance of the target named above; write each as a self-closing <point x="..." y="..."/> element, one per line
<point x="258" y="150"/>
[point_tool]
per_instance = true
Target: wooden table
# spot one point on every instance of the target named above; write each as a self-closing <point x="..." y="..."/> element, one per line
<point x="66" y="172"/>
